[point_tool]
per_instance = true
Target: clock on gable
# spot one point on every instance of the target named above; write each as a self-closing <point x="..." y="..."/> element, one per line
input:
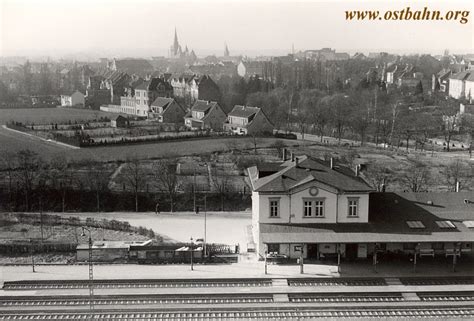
<point x="313" y="191"/>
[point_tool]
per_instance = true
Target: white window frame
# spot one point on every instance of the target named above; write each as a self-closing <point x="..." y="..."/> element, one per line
<point x="316" y="210"/>
<point x="351" y="207"/>
<point x="272" y="207"/>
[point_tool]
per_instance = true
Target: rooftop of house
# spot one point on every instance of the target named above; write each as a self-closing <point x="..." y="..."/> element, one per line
<point x="111" y="75"/>
<point x="152" y="84"/>
<point x="303" y="170"/>
<point x="393" y="217"/>
<point x="134" y="66"/>
<point x="203" y="105"/>
<point x="162" y="102"/>
<point x="71" y="92"/>
<point x="244" y="111"/>
<point x="463" y="75"/>
<point x="444" y="73"/>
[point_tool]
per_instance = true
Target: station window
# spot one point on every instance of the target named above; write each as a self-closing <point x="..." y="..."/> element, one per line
<point x="313" y="207"/>
<point x="274" y="207"/>
<point x="353" y="207"/>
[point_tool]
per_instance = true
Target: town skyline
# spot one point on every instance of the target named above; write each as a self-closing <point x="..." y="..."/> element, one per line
<point x="306" y="27"/>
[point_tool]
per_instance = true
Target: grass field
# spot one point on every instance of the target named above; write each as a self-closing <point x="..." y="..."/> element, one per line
<point x="50" y="115"/>
<point x="13" y="141"/>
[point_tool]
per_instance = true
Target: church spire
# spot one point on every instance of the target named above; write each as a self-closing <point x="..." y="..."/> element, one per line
<point x="226" y="51"/>
<point x="175" y="43"/>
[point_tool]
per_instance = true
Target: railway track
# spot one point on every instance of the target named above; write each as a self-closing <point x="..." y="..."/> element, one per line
<point x="262" y="314"/>
<point x="337" y="282"/>
<point x="437" y="281"/>
<point x="136" y="300"/>
<point x="446" y="296"/>
<point x="345" y="297"/>
<point x="117" y="284"/>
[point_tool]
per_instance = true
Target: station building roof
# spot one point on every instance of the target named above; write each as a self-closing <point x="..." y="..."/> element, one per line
<point x="439" y="217"/>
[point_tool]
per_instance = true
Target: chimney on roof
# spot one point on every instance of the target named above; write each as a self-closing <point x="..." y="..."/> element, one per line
<point x="284" y="154"/>
<point x="331" y="163"/>
<point x="292" y="156"/>
<point x="357" y="170"/>
<point x="297" y="161"/>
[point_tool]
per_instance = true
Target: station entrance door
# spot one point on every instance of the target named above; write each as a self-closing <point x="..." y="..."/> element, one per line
<point x="312" y="251"/>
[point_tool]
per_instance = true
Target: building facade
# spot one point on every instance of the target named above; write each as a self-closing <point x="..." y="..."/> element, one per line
<point x="166" y="110"/>
<point x="205" y="115"/>
<point x="457" y="84"/>
<point x="245" y="120"/>
<point x="73" y="99"/>
<point x="315" y="209"/>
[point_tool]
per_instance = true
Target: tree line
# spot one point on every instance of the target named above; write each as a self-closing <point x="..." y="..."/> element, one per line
<point x="30" y="183"/>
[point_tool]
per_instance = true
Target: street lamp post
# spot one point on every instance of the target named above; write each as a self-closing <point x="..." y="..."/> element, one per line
<point x="91" y="272"/>
<point x="205" y="225"/>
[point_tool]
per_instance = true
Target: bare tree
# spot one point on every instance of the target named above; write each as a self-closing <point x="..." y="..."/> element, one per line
<point x="320" y="117"/>
<point x="254" y="140"/>
<point x="8" y="165"/>
<point x="61" y="176"/>
<point x="166" y="178"/>
<point x="417" y="178"/>
<point x="338" y="105"/>
<point x="221" y="183"/>
<point x="279" y="145"/>
<point x="135" y="176"/>
<point x="97" y="180"/>
<point x="379" y="176"/>
<point x="450" y="127"/>
<point x="456" y="173"/>
<point x="29" y="166"/>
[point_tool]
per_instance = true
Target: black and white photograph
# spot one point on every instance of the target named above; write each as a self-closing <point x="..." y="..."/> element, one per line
<point x="209" y="160"/>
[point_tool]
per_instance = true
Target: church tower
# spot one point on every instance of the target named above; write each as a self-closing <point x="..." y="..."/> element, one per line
<point x="175" y="49"/>
<point x="226" y="51"/>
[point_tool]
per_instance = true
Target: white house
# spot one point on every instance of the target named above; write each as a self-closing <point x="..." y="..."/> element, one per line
<point x="457" y="84"/>
<point x="75" y="98"/>
<point x="328" y="210"/>
<point x="243" y="120"/>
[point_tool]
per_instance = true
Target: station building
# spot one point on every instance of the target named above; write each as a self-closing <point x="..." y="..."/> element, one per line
<point x="328" y="210"/>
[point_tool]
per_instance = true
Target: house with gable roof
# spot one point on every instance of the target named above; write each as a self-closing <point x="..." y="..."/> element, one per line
<point x="166" y="110"/>
<point x="148" y="91"/>
<point x="457" y="84"/>
<point x="205" y="115"/>
<point x="440" y="81"/>
<point x="245" y="120"/>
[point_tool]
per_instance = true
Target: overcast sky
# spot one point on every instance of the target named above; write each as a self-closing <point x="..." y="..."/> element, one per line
<point x="146" y="27"/>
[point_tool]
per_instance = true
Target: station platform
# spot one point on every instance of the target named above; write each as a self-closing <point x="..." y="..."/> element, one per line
<point x="245" y="268"/>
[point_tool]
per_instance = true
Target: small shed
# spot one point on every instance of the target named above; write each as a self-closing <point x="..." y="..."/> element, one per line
<point x="120" y="122"/>
<point x="105" y="251"/>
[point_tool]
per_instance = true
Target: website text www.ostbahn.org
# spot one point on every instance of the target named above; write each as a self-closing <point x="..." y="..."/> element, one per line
<point x="408" y="14"/>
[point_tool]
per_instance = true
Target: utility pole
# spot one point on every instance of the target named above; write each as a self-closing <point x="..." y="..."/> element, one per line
<point x="205" y="225"/>
<point x="91" y="273"/>
<point x="192" y="267"/>
<point x="301" y="260"/>
<point x="32" y="252"/>
<point x="194" y="188"/>
<point x="265" y="258"/>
